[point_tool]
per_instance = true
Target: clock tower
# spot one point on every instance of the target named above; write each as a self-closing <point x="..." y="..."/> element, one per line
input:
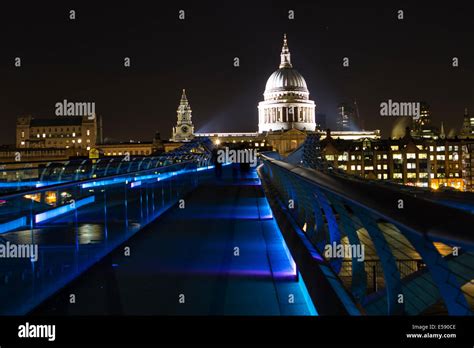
<point x="184" y="130"/>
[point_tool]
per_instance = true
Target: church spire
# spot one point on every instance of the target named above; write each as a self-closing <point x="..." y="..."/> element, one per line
<point x="285" y="61"/>
<point x="184" y="99"/>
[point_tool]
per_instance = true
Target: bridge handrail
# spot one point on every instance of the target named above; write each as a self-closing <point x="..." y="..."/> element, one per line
<point x="393" y="224"/>
<point x="429" y="218"/>
<point x="91" y="180"/>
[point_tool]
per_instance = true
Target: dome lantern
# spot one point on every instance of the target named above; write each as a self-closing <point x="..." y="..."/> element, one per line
<point x="285" y="55"/>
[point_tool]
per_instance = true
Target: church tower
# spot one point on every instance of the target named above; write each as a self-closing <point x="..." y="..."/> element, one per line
<point x="184" y="130"/>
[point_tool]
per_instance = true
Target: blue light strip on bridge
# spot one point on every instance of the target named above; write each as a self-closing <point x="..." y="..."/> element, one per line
<point x="12" y="225"/>
<point x="29" y="183"/>
<point x="135" y="184"/>
<point x="158" y="177"/>
<point x="47" y="215"/>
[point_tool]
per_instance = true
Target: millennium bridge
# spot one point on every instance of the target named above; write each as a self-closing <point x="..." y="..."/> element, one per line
<point x="181" y="234"/>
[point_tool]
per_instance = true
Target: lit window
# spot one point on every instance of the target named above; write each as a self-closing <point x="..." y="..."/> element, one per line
<point x="394" y="147"/>
<point x="422" y="155"/>
<point x="342" y="158"/>
<point x="411" y="156"/>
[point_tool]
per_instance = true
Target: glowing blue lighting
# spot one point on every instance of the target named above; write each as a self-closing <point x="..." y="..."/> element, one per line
<point x="158" y="177"/>
<point x="135" y="184"/>
<point x="205" y="168"/>
<point x="264" y="209"/>
<point x="12" y="225"/>
<point x="50" y="214"/>
<point x="10" y="184"/>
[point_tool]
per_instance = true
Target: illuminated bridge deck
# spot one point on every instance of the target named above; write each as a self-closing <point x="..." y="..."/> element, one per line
<point x="223" y="251"/>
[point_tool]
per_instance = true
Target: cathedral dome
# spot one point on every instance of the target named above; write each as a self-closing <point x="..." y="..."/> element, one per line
<point x="286" y="103"/>
<point x="286" y="82"/>
<point x="286" y="79"/>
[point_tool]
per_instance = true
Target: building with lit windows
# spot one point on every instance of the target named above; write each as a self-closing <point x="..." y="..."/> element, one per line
<point x="467" y="129"/>
<point x="347" y="117"/>
<point x="61" y="132"/>
<point x="422" y="127"/>
<point x="434" y="163"/>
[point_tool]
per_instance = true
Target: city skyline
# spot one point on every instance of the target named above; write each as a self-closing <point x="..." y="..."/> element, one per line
<point x="291" y="163"/>
<point x="168" y="54"/>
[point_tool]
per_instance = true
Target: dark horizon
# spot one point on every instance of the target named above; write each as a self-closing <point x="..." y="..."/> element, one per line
<point x="82" y="60"/>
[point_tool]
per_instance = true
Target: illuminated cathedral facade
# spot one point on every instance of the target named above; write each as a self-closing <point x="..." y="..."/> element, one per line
<point x="286" y="115"/>
<point x="286" y="102"/>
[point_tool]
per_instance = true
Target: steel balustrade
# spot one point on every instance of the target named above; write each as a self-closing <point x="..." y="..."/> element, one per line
<point x="198" y="151"/>
<point x="392" y="225"/>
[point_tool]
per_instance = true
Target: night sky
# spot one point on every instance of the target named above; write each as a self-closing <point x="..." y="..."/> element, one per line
<point x="82" y="60"/>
